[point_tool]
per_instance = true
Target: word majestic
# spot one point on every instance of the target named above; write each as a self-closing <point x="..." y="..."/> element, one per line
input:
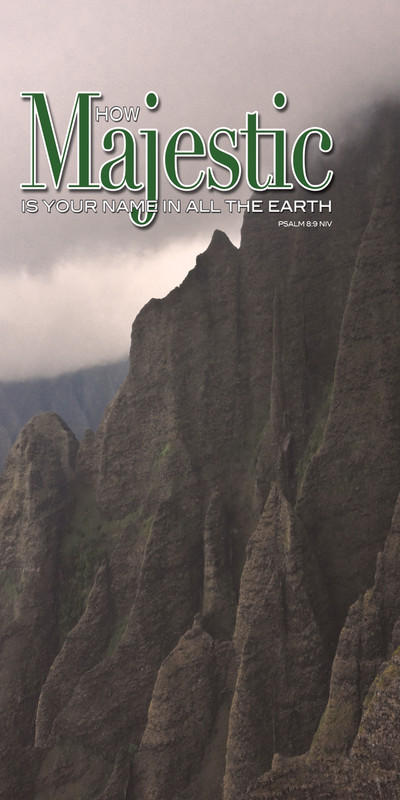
<point x="120" y="171"/>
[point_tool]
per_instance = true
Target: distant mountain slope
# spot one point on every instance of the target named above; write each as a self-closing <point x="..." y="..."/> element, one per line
<point x="78" y="397"/>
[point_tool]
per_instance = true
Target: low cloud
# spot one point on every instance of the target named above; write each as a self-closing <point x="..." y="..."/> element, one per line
<point x="82" y="311"/>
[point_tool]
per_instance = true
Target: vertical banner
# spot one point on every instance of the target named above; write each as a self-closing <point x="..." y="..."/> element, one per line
<point x="200" y="400"/>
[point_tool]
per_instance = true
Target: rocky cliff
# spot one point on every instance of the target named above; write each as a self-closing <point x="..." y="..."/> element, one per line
<point x="201" y="601"/>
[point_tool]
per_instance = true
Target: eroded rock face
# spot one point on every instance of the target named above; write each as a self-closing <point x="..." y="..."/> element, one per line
<point x="351" y="488"/>
<point x="84" y="646"/>
<point x="355" y="752"/>
<point x="245" y="478"/>
<point x="283" y="662"/>
<point x="219" y="599"/>
<point x="35" y="505"/>
<point x="180" y="719"/>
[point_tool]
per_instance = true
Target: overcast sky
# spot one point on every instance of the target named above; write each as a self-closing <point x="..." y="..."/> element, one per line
<point x="71" y="284"/>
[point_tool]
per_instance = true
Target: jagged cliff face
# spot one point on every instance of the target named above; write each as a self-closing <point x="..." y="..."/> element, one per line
<point x="201" y="602"/>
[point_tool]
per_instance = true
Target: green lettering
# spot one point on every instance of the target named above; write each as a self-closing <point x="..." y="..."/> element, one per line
<point x="127" y="159"/>
<point x="80" y="117"/>
<point x="299" y="158"/>
<point x="144" y="218"/>
<point x="277" y="180"/>
<point x="226" y="160"/>
<point x="171" y="155"/>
